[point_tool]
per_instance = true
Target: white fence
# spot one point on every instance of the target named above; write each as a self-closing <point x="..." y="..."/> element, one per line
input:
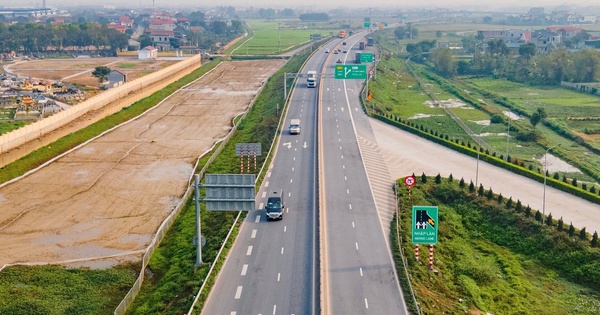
<point x="145" y="84"/>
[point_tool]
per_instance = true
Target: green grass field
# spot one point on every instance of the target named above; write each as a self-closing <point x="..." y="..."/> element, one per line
<point x="494" y="258"/>
<point x="275" y="37"/>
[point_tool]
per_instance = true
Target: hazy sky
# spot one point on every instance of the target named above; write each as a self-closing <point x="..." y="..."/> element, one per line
<point x="481" y="5"/>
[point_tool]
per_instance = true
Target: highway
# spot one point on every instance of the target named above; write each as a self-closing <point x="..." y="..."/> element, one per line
<point x="358" y="272"/>
<point x="272" y="267"/>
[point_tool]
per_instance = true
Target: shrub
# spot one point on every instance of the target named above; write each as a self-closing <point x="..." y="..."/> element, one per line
<point x="423" y="178"/>
<point x="594" y="242"/>
<point x="461" y="184"/>
<point x="438" y="179"/>
<point x="560" y="225"/>
<point x="490" y="194"/>
<point x="571" y="229"/>
<point x="583" y="235"/>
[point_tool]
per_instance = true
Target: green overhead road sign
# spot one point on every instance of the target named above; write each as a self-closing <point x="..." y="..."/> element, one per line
<point x="351" y="72"/>
<point x="367" y="24"/>
<point x="366" y="57"/>
<point x="425" y="225"/>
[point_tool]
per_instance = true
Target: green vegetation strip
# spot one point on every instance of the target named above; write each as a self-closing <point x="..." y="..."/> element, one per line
<point x="494" y="255"/>
<point x="46" y="153"/>
<point x="171" y="287"/>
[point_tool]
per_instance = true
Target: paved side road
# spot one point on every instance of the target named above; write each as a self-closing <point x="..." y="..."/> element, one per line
<point x="405" y="153"/>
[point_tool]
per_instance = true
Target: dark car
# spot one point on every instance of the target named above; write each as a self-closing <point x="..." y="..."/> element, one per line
<point x="338" y="61"/>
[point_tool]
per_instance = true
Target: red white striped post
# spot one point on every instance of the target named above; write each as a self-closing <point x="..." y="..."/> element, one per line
<point x="255" y="159"/>
<point x="417" y="252"/>
<point x="248" y="164"/>
<point x="431" y="257"/>
<point x="242" y="161"/>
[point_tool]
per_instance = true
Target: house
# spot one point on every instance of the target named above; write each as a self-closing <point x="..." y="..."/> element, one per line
<point x="566" y="32"/>
<point x="116" y="76"/>
<point x="148" y="52"/>
<point x="162" y="39"/>
<point x="125" y="20"/>
<point x="117" y="26"/>
<point x="545" y="40"/>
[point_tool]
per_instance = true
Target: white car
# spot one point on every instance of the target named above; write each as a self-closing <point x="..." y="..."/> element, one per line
<point x="327" y="50"/>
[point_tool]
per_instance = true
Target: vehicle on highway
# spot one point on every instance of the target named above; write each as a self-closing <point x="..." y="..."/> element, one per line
<point x="311" y="79"/>
<point x="338" y="61"/>
<point x="344" y="43"/>
<point x="295" y="127"/>
<point x="345" y="51"/>
<point x="275" y="205"/>
<point x="327" y="50"/>
<point x="335" y="51"/>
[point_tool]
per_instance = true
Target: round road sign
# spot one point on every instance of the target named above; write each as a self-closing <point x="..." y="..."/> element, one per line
<point x="409" y="181"/>
<point x="371" y="72"/>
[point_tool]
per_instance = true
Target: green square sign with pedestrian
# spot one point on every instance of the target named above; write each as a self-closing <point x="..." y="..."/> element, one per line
<point x="425" y="225"/>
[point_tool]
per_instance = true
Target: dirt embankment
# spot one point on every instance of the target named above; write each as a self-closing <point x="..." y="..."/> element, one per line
<point x="110" y="195"/>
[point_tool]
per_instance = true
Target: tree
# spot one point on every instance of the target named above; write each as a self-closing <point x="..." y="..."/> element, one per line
<point x="423" y="178"/>
<point x="267" y="14"/>
<point x="444" y="62"/>
<point x="537" y="116"/>
<point x="594" y="242"/>
<point x="571" y="229"/>
<point x="400" y="32"/>
<point x="287" y="12"/>
<point x="527" y="50"/>
<point x="145" y="41"/>
<point x="101" y="72"/>
<point x="583" y="235"/>
<point x="438" y="34"/>
<point x="438" y="179"/>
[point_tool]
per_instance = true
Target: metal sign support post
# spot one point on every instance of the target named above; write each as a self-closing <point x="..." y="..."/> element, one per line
<point x="198" y="230"/>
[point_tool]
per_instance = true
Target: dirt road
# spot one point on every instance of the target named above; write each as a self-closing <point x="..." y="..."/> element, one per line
<point x="110" y="195"/>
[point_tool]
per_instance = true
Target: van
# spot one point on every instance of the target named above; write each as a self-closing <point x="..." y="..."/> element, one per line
<point x="295" y="126"/>
<point x="275" y="205"/>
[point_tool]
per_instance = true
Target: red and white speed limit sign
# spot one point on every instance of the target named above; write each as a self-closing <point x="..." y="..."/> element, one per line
<point x="371" y="72"/>
<point x="410" y="181"/>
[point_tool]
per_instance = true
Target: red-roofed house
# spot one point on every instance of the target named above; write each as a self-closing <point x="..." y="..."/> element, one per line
<point x="148" y="52"/>
<point x="119" y="27"/>
<point x="196" y="28"/>
<point x="125" y="20"/>
<point x="566" y="31"/>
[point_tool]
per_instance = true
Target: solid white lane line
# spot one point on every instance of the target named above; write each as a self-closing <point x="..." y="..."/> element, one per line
<point x="356" y="245"/>
<point x="274" y="309"/>
<point x="366" y="303"/>
<point x="244" y="269"/>
<point x="257" y="219"/>
<point x="249" y="251"/>
<point x="238" y="292"/>
<point x="361" y="274"/>
<point x="282" y="251"/>
<point x="253" y="234"/>
<point x="264" y="194"/>
<point x="278" y="276"/>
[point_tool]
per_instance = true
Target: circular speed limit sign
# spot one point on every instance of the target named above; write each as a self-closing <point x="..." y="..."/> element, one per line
<point x="409" y="181"/>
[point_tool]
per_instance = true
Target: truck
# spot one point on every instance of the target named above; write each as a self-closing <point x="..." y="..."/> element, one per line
<point x="342" y="34"/>
<point x="295" y="127"/>
<point x="311" y="79"/>
<point x="370" y="41"/>
<point x="357" y="57"/>
<point x="275" y="205"/>
<point x="361" y="46"/>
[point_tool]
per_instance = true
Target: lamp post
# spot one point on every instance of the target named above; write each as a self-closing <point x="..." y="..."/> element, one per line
<point x="478" y="149"/>
<point x="544" y="196"/>
<point x="507" y="136"/>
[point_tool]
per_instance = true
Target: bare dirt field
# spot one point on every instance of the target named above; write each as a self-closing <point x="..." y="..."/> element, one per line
<point x="110" y="195"/>
<point x="79" y="70"/>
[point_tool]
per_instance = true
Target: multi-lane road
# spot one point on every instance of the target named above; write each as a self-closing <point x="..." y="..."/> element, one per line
<point x="275" y="267"/>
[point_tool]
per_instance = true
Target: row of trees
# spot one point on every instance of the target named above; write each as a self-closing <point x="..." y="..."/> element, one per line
<point x="525" y="66"/>
<point x="33" y="38"/>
